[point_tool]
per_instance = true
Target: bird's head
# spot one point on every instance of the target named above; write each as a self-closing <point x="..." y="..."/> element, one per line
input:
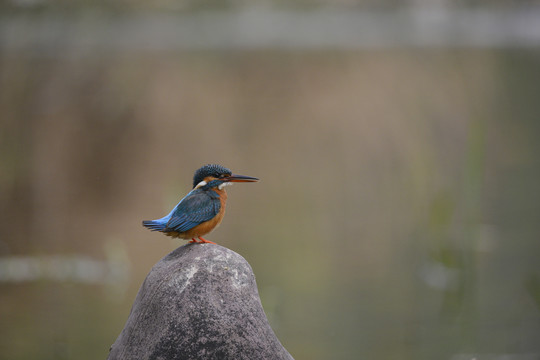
<point x="217" y="176"/>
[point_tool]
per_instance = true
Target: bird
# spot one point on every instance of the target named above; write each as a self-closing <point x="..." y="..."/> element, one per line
<point x="202" y="209"/>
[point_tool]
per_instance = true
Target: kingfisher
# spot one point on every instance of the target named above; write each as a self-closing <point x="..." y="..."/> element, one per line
<point x="202" y="209"/>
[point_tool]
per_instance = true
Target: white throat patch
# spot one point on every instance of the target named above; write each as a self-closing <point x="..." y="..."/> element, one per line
<point x="220" y="187"/>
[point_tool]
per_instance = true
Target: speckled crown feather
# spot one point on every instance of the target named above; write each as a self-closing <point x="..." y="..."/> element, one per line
<point x="209" y="170"/>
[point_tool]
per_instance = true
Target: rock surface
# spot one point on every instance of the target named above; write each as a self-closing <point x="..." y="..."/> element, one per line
<point x="198" y="302"/>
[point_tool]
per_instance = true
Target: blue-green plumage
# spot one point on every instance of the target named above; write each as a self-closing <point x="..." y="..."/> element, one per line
<point x="198" y="206"/>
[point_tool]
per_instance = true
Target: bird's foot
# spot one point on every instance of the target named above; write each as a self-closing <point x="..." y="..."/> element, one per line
<point x="204" y="241"/>
<point x="193" y="241"/>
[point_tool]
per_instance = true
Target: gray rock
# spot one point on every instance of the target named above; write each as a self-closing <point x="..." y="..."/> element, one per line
<point x="198" y="302"/>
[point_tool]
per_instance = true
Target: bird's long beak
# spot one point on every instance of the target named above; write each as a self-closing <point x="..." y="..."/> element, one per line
<point x="240" y="178"/>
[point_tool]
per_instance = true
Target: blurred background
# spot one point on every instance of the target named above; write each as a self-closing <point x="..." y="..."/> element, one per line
<point x="397" y="144"/>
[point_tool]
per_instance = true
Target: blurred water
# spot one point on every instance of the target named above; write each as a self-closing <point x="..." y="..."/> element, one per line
<point x="84" y="270"/>
<point x="258" y="28"/>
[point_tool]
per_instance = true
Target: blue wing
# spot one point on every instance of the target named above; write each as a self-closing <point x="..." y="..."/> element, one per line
<point x="197" y="207"/>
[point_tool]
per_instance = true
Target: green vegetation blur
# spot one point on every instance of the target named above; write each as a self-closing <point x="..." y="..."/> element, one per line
<point x="397" y="216"/>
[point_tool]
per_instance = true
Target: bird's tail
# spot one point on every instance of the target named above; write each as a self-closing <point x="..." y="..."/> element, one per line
<point x="154" y="225"/>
